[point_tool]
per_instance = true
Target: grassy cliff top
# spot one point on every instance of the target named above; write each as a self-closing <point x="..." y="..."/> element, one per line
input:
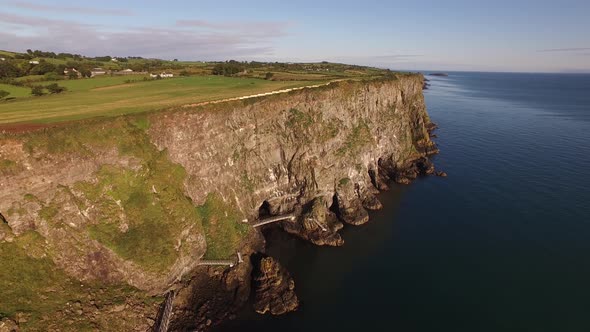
<point x="115" y="93"/>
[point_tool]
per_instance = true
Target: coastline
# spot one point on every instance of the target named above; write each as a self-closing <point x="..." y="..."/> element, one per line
<point x="209" y="174"/>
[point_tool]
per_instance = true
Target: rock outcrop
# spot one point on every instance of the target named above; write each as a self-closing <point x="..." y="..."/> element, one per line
<point x="274" y="291"/>
<point x="316" y="224"/>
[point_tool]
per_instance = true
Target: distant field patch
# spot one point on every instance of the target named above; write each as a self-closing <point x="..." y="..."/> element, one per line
<point x="125" y="85"/>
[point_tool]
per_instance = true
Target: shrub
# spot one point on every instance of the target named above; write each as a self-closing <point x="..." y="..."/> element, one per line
<point x="54" y="88"/>
<point x="268" y="76"/>
<point x="3" y="94"/>
<point x="37" y="90"/>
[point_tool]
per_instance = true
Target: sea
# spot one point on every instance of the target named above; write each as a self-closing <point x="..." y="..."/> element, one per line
<point x="501" y="244"/>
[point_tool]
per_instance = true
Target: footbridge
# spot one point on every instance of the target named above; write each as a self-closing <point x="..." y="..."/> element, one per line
<point x="165" y="313"/>
<point x="217" y="262"/>
<point x="271" y="220"/>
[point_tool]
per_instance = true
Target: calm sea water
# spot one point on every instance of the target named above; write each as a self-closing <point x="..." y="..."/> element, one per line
<point x="502" y="244"/>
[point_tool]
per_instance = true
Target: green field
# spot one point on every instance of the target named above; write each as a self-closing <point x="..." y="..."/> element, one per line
<point x="109" y="96"/>
<point x="16" y="91"/>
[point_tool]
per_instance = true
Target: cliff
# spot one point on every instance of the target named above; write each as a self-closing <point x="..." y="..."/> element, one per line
<point x="102" y="217"/>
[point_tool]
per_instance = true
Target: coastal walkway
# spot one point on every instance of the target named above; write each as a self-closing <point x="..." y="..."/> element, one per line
<point x="165" y="314"/>
<point x="222" y="262"/>
<point x="217" y="262"/>
<point x="290" y="216"/>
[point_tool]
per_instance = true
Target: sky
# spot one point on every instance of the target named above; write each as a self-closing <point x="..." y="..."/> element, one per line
<point x="517" y="35"/>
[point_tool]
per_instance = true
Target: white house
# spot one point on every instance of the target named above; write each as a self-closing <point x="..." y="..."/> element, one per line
<point x="114" y="60"/>
<point x="127" y="70"/>
<point x="2" y="59"/>
<point x="34" y="62"/>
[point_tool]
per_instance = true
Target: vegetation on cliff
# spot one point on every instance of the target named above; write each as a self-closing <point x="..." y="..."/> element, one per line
<point x="139" y="212"/>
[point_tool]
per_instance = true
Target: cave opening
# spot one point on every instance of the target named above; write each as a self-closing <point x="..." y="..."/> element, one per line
<point x="264" y="210"/>
<point x="335" y="207"/>
<point x="2" y="219"/>
<point x="373" y="177"/>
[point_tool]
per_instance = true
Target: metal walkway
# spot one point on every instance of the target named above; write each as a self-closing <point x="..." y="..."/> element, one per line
<point x="290" y="216"/>
<point x="165" y="313"/>
<point x="220" y="262"/>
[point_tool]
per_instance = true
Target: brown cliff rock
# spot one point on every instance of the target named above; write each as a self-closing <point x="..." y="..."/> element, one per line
<point x="274" y="288"/>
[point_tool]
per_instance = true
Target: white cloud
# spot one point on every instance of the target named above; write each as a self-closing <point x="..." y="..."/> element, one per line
<point x="186" y="40"/>
<point x="70" y="9"/>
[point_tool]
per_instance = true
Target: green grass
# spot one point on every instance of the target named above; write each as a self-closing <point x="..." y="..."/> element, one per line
<point x="223" y="227"/>
<point x="15" y="91"/>
<point x="6" y="53"/>
<point x="31" y="285"/>
<point x="142" y="211"/>
<point x="30" y="78"/>
<point x="359" y="137"/>
<point x="154" y="220"/>
<point x="149" y="200"/>
<point x="85" y="100"/>
<point x="86" y="84"/>
<point x="9" y="167"/>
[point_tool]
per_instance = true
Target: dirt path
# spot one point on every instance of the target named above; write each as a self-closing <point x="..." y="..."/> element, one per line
<point x="260" y="94"/>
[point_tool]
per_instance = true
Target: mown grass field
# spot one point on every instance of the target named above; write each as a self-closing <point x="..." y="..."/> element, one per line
<point x="110" y="96"/>
<point x="16" y="91"/>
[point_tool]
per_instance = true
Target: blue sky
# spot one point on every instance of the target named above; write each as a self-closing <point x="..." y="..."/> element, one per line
<point x="431" y="35"/>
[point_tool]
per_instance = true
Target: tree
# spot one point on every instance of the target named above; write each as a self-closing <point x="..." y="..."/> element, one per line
<point x="55" y="89"/>
<point x="85" y="72"/>
<point x="42" y="68"/>
<point x="268" y="76"/>
<point x="3" y="94"/>
<point x="229" y="68"/>
<point x="8" y="69"/>
<point x="59" y="69"/>
<point x="72" y="75"/>
<point x="184" y="73"/>
<point x="37" y="90"/>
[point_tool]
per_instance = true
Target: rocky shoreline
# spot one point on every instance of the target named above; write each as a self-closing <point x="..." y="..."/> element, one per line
<point x="262" y="280"/>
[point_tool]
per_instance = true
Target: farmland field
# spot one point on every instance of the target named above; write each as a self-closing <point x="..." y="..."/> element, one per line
<point x="109" y="96"/>
<point x="15" y="91"/>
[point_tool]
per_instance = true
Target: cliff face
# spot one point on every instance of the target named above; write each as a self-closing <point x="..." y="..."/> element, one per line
<point x="283" y="152"/>
<point x="140" y="200"/>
